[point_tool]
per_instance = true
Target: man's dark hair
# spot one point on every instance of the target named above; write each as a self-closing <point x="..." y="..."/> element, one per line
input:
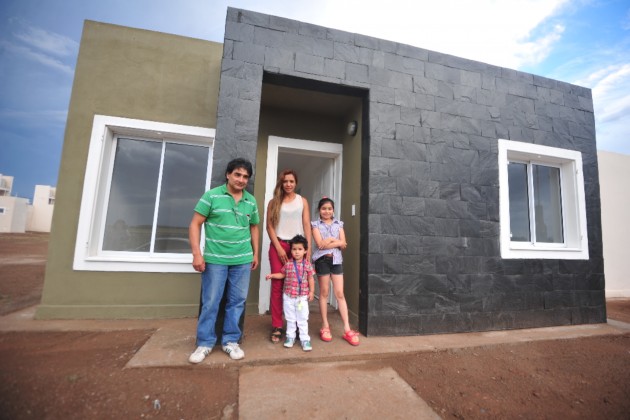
<point x="239" y="163"/>
<point x="299" y="239"/>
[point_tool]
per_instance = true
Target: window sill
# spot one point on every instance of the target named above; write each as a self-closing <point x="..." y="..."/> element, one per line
<point x="143" y="264"/>
<point x="549" y="253"/>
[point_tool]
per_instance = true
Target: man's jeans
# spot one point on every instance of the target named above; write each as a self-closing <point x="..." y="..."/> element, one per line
<point x="214" y="280"/>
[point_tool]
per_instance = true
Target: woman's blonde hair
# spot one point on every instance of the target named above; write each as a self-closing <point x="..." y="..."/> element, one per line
<point x="278" y="196"/>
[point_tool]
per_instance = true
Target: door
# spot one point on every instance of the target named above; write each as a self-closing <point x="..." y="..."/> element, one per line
<point x="318" y="165"/>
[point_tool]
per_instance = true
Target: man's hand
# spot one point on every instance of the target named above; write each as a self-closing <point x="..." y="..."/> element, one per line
<point x="198" y="263"/>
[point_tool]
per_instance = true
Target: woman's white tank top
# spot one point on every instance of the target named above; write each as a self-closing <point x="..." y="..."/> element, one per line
<point x="290" y="223"/>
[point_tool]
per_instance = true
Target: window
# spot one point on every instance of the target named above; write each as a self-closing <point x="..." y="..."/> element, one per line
<point x="142" y="182"/>
<point x="542" y="206"/>
<point x="2" y="210"/>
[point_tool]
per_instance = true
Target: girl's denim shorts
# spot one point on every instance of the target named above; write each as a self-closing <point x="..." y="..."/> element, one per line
<point x="324" y="266"/>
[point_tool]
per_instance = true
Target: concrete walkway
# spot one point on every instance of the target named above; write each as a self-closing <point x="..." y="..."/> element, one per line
<point x="328" y="373"/>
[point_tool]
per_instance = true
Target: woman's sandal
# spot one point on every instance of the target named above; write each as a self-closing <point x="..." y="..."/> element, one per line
<point x="276" y="335"/>
<point x="352" y="337"/>
<point x="325" y="334"/>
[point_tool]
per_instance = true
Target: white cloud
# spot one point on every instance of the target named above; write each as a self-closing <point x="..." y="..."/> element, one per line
<point x="509" y="34"/>
<point x="610" y="87"/>
<point x="535" y="51"/>
<point x="49" y="42"/>
<point x="33" y="117"/>
<point x="38" y="57"/>
<point x="610" y="78"/>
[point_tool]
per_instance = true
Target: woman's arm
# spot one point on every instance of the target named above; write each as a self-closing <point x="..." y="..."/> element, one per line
<point x="306" y="224"/>
<point x="271" y="232"/>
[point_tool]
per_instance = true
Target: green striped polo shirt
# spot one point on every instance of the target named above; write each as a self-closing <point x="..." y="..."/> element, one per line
<point x="228" y="238"/>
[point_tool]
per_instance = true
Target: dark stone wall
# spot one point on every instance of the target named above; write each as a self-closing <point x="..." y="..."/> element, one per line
<point x="433" y="257"/>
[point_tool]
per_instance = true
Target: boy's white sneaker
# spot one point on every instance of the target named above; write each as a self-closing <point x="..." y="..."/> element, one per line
<point x="234" y="351"/>
<point x="306" y="346"/>
<point x="199" y="354"/>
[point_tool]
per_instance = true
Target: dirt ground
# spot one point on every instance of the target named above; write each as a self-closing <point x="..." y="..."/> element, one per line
<point x="55" y="375"/>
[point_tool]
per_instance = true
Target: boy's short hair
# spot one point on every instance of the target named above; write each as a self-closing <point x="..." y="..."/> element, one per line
<point x="299" y="239"/>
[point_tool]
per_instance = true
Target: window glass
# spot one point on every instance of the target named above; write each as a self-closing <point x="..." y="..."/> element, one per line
<point x="519" y="202"/>
<point x="132" y="195"/>
<point x="548" y="204"/>
<point x="183" y="182"/>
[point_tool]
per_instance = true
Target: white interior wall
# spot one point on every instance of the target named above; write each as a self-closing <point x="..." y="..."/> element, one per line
<point x="309" y="170"/>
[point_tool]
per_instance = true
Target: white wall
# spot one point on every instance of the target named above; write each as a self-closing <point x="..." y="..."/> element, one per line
<point x="40" y="214"/>
<point x="13" y="218"/>
<point x="614" y="173"/>
<point x="6" y="185"/>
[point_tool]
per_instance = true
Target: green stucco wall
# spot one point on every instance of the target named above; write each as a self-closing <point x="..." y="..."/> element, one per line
<point x="131" y="73"/>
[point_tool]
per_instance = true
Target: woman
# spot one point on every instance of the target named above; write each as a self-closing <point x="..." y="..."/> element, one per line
<point x="287" y="216"/>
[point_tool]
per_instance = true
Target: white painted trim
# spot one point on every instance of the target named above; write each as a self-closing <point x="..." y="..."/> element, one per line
<point x="573" y="202"/>
<point x="306" y="147"/>
<point x="618" y="293"/>
<point x="104" y="128"/>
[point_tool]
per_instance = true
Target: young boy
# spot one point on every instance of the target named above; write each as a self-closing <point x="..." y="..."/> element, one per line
<point x="299" y="286"/>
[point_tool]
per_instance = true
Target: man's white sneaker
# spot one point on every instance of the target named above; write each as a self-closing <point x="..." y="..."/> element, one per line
<point x="199" y="354"/>
<point x="234" y="351"/>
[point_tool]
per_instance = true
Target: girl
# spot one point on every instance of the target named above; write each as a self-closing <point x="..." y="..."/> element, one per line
<point x="287" y="216"/>
<point x="330" y="240"/>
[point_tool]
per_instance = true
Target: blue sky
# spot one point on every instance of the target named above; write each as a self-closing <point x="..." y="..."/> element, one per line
<point x="586" y="42"/>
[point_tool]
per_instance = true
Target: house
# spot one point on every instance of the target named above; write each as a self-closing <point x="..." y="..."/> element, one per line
<point x="18" y="216"/>
<point x="13" y="210"/>
<point x="615" y="224"/>
<point x="469" y="192"/>
<point x="39" y="218"/>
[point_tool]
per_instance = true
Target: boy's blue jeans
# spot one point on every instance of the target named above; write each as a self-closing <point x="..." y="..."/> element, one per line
<point x="214" y="280"/>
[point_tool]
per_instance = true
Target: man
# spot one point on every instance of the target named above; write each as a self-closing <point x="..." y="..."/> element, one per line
<point x="230" y="216"/>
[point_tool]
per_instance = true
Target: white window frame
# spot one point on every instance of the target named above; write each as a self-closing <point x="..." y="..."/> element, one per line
<point x="87" y="254"/>
<point x="575" y="245"/>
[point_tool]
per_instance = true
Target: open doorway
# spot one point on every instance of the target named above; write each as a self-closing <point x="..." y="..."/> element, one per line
<point x="319" y="168"/>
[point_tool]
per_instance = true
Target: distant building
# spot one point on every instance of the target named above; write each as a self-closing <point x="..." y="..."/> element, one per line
<point x="13" y="210"/>
<point x="18" y="216"/>
<point x="6" y="184"/>
<point x="39" y="216"/>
